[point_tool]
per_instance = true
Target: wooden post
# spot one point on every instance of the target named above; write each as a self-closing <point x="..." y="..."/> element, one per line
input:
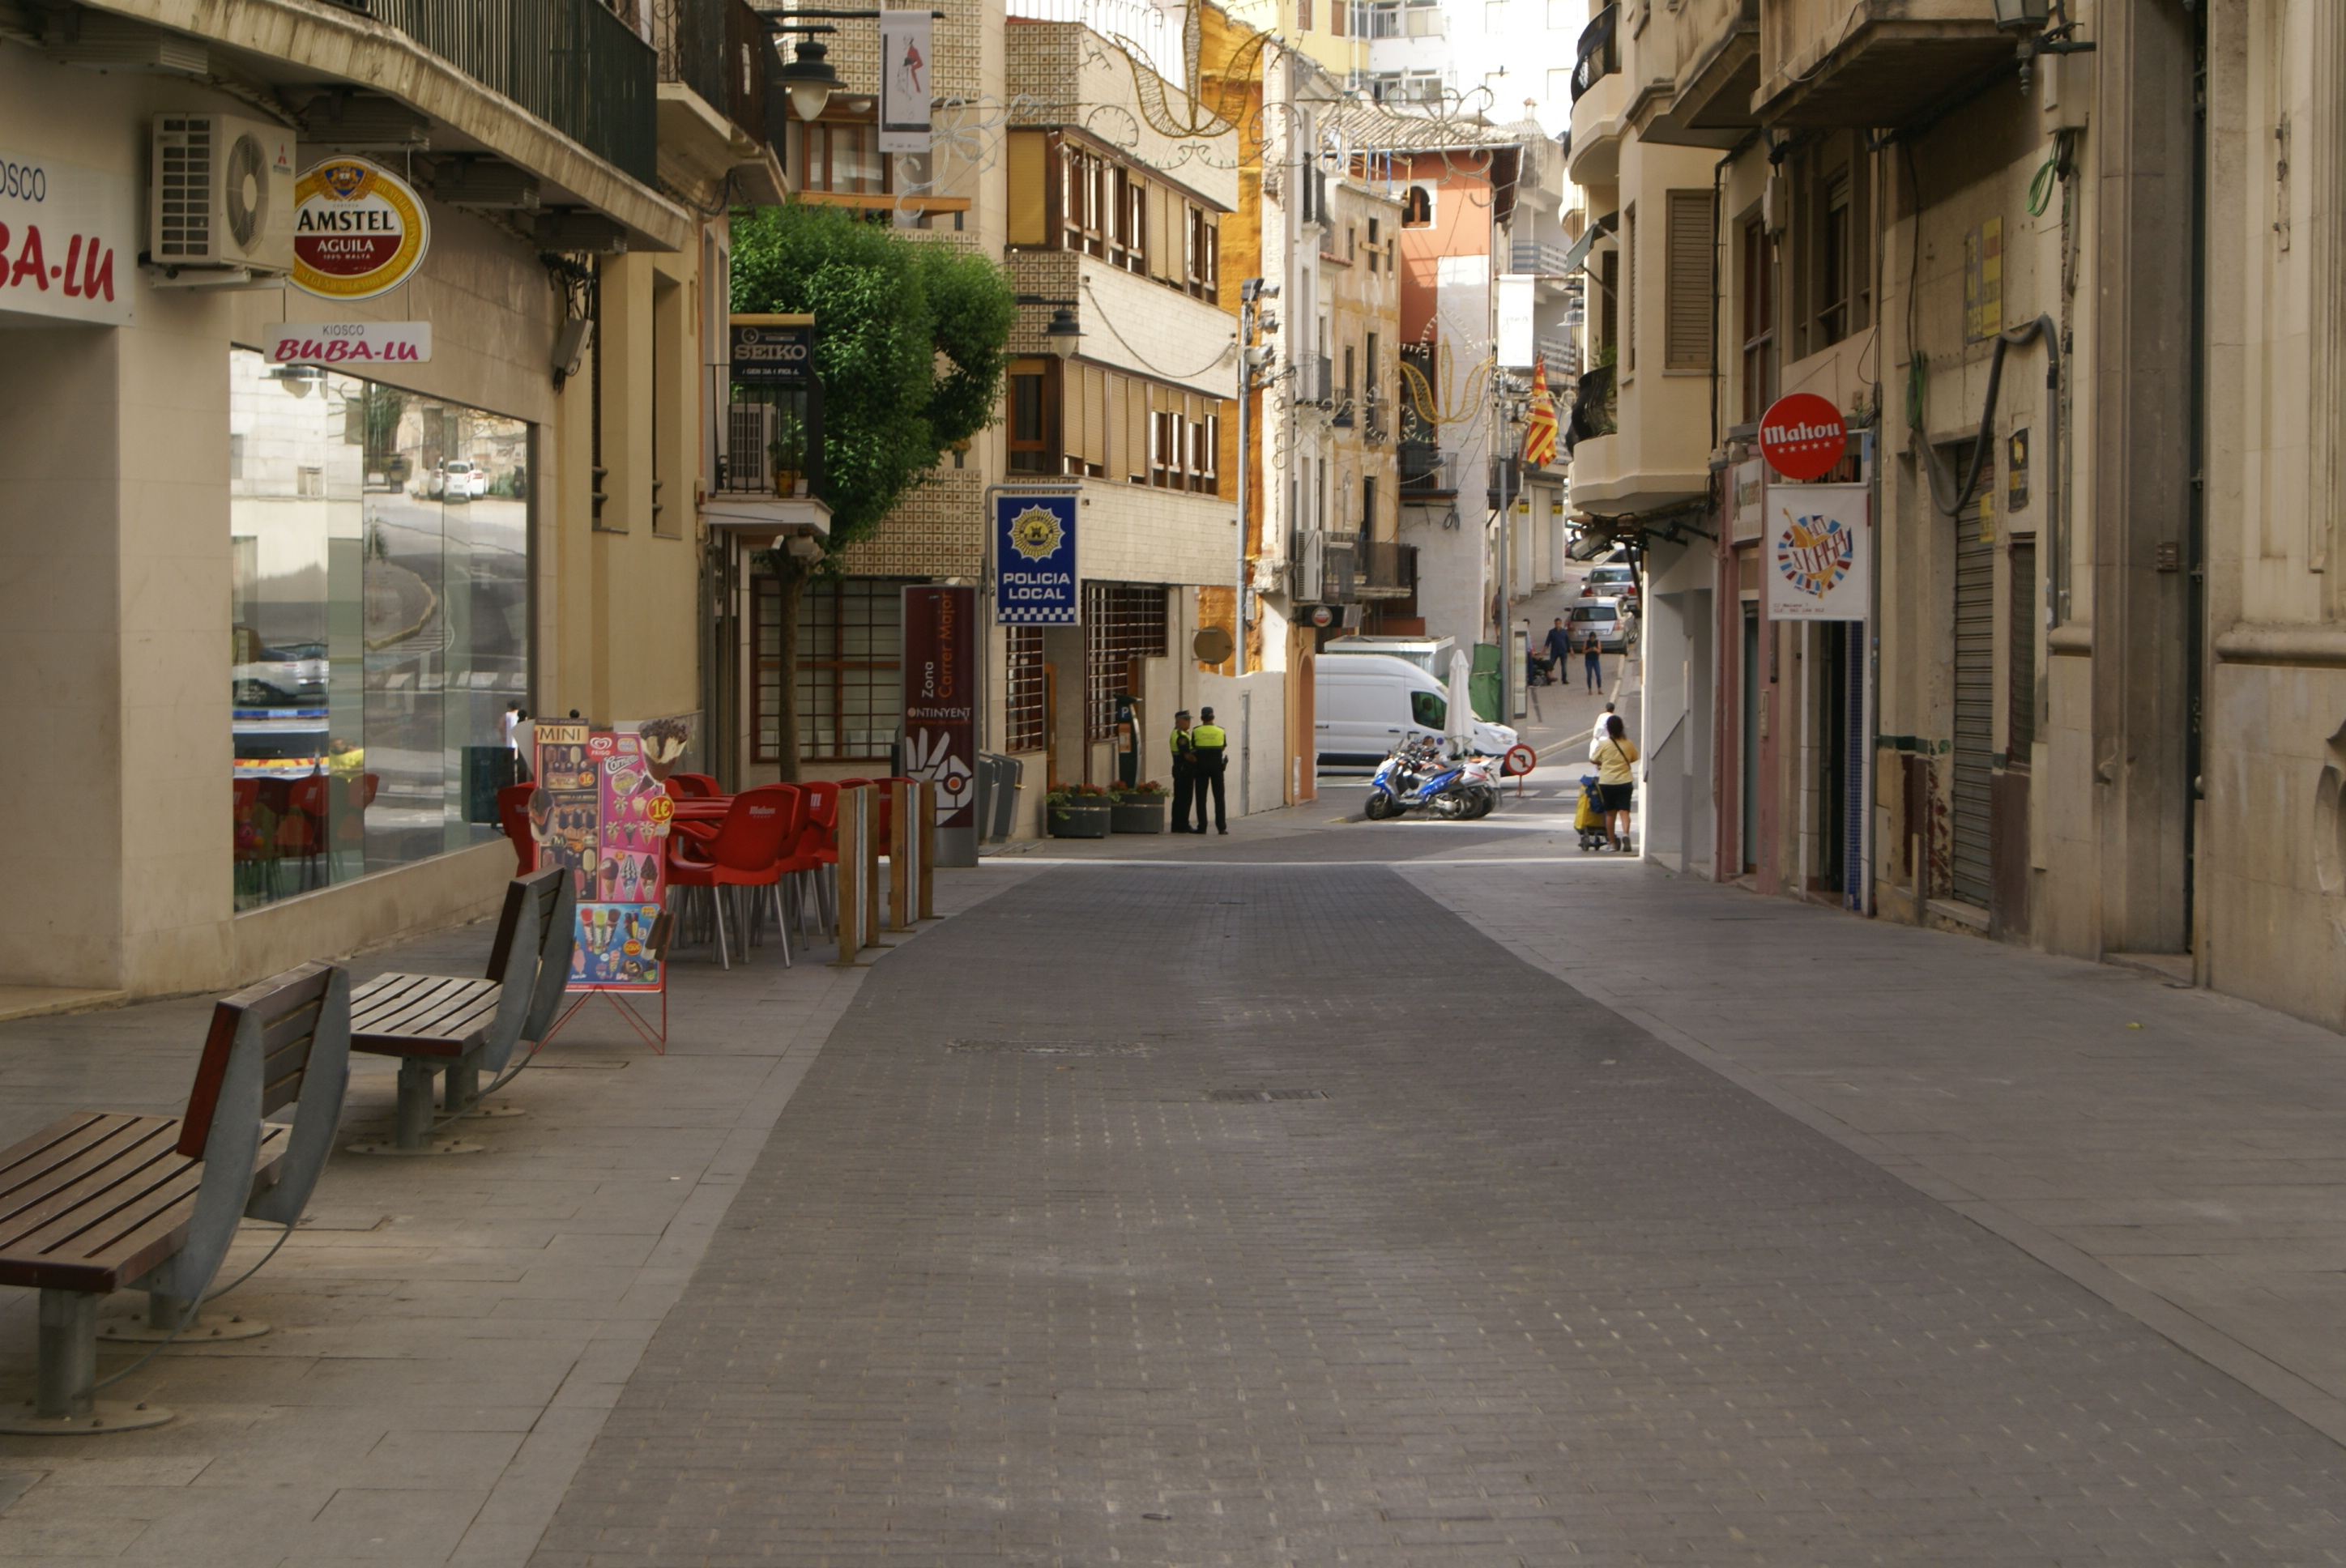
<point x="900" y="837"/>
<point x="928" y="826"/>
<point x="854" y="834"/>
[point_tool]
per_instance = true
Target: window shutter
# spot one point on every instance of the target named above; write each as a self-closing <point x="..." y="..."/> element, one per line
<point x="1686" y="304"/>
<point x="1094" y="417"/>
<point x="1136" y="431"/>
<point x="1629" y="357"/>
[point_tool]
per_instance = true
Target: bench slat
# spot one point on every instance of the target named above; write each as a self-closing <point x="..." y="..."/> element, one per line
<point x="60" y="1141"/>
<point x="424" y="1014"/>
<point x="417" y="1001"/>
<point x="46" y="1189"/>
<point x="113" y="1211"/>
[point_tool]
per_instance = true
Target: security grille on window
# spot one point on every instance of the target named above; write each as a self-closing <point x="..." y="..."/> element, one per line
<point x="1023" y="696"/>
<point x="849" y="681"/>
<point x="1122" y="622"/>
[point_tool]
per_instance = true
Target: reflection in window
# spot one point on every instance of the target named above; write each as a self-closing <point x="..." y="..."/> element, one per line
<point x="379" y="558"/>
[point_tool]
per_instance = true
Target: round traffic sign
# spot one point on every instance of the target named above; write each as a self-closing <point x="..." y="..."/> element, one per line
<point x="1518" y="761"/>
<point x="1801" y="436"/>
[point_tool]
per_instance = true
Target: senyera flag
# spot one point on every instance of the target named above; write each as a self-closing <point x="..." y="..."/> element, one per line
<point x="1539" y="430"/>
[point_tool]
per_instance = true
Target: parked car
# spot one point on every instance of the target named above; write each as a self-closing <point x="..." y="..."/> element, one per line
<point x="291" y="676"/>
<point x="1364" y="705"/>
<point x="1604" y="618"/>
<point x="1610" y="582"/>
<point x="460" y="479"/>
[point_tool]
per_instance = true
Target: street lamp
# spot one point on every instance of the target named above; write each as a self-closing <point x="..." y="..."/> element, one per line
<point x="809" y="78"/>
<point x="1063" y="336"/>
<point x="2022" y="16"/>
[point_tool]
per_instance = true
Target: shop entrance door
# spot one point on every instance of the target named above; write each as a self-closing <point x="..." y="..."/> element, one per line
<point x="1975" y="757"/>
<point x="1833" y="718"/>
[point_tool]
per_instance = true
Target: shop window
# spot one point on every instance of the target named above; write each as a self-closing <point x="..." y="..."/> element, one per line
<point x="1033" y="437"/>
<point x="1203" y="255"/>
<point x="850" y="702"/>
<point x="1022" y="697"/>
<point x="1122" y="622"/>
<point x="378" y="576"/>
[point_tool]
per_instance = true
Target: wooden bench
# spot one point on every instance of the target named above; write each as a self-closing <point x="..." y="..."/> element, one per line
<point x="443" y="1024"/>
<point x="100" y="1201"/>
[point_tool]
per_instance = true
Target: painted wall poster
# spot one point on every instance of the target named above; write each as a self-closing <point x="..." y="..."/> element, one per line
<point x="1818" y="553"/>
<point x="600" y="812"/>
<point x="940" y="666"/>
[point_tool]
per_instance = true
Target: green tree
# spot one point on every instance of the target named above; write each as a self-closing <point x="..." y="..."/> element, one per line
<point x="910" y="341"/>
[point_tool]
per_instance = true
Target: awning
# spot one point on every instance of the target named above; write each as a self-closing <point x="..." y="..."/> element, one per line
<point x="751" y="515"/>
<point x="1578" y="254"/>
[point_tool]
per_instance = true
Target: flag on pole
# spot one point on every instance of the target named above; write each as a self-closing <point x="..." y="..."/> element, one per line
<point x="1539" y="429"/>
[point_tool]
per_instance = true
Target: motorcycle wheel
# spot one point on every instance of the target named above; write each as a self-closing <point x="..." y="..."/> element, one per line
<point x="1486" y="802"/>
<point x="1379" y="807"/>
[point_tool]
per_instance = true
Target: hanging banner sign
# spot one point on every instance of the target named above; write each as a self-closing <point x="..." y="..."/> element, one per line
<point x="359" y="231"/>
<point x="772" y="350"/>
<point x="349" y="343"/>
<point x="1035" y="559"/>
<point x="904" y="86"/>
<point x="940" y="696"/>
<point x="1749" y="485"/>
<point x="1818" y="553"/>
<point x="68" y="240"/>
<point x="1802" y="437"/>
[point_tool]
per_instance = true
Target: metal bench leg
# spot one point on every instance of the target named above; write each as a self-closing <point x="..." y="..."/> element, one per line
<point x="65" y="1378"/>
<point x="415" y="1104"/>
<point x="462" y="1086"/>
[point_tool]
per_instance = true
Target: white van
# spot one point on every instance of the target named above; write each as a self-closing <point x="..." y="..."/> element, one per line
<point x="1431" y="654"/>
<point x="1364" y="705"/>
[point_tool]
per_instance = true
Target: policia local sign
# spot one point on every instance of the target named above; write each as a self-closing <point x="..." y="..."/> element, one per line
<point x="1035" y="558"/>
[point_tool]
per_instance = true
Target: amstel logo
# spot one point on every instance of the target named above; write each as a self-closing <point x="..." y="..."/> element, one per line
<point x="359" y="231"/>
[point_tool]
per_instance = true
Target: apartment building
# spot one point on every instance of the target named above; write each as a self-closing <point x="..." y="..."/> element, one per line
<point x="268" y="601"/>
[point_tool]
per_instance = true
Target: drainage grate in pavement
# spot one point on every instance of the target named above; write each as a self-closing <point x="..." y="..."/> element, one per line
<point x="1044" y="1048"/>
<point x="1263" y="1096"/>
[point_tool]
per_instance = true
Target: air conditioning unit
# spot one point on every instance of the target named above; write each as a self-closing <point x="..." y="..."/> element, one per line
<point x="220" y="196"/>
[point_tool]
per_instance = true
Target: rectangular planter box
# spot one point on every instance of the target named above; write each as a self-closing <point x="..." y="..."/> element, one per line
<point x="1138" y="816"/>
<point x="1078" y="821"/>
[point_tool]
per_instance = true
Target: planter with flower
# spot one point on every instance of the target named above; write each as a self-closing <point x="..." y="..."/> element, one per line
<point x="1078" y="811"/>
<point x="1139" y="808"/>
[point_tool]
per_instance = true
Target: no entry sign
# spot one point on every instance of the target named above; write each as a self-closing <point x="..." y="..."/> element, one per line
<point x="1801" y="436"/>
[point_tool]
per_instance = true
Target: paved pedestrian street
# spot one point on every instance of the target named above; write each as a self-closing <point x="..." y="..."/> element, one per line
<point x="1221" y="1215"/>
<point x="1311" y="1195"/>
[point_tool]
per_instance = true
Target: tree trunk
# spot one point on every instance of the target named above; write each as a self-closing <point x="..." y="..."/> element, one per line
<point x="793" y="573"/>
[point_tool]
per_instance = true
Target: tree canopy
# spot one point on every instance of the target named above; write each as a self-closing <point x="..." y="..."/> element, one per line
<point x="911" y="337"/>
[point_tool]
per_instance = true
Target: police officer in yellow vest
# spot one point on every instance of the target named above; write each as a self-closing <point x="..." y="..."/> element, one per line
<point x="1185" y="771"/>
<point x="1210" y="743"/>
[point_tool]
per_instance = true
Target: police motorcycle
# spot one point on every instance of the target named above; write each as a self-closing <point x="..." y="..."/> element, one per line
<point x="1420" y="774"/>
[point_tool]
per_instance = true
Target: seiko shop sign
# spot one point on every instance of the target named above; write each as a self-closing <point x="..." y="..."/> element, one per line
<point x="68" y="240"/>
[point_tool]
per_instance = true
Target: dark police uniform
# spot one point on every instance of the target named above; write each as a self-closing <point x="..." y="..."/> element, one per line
<point x="1212" y="743"/>
<point x="1185" y="778"/>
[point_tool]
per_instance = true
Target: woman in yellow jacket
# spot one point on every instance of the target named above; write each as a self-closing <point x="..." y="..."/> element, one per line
<point x="1616" y="780"/>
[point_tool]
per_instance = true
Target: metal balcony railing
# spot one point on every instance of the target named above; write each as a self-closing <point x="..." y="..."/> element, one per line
<point x="1388" y="568"/>
<point x="1340" y="570"/>
<point x="1426" y="469"/>
<point x="767" y="441"/>
<point x="716" y="47"/>
<point x="1537" y="258"/>
<point x="571" y="62"/>
<point x="1599" y="55"/>
<point x="1376" y="419"/>
<point x="1592" y="408"/>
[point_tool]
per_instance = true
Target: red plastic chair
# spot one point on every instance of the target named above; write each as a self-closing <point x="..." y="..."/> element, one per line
<point x="818" y="841"/>
<point x="303" y="830"/>
<point x="698" y="785"/>
<point x="513" y="816"/>
<point x="745" y="852"/>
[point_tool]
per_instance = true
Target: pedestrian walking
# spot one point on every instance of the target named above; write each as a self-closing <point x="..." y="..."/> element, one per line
<point x="1601" y="732"/>
<point x="1185" y="771"/>
<point x="1558" y="643"/>
<point x="1211" y="742"/>
<point x="1616" y="780"/>
<point x="1592" y="660"/>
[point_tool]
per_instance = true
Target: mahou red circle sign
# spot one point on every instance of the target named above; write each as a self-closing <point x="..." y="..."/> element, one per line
<point x="1801" y="436"/>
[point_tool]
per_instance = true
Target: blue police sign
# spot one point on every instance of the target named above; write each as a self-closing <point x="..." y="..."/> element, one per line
<point x="1035" y="559"/>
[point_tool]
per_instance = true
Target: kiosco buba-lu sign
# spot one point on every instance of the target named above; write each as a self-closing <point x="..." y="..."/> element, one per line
<point x="359" y="231"/>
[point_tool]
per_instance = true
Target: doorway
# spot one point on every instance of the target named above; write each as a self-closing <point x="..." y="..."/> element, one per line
<point x="1831" y="873"/>
<point x="1972" y="820"/>
<point x="1749" y="852"/>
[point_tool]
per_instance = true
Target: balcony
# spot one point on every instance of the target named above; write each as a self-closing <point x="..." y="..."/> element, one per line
<point x="1387" y="570"/>
<point x="1600" y="99"/>
<point x="1720" y="40"/>
<point x="1376" y="419"/>
<point x="1427" y="471"/>
<point x="1315" y="380"/>
<point x="1830" y="63"/>
<point x="1537" y="259"/>
<point x="1339" y="570"/>
<point x="571" y="62"/>
<point x="765" y="459"/>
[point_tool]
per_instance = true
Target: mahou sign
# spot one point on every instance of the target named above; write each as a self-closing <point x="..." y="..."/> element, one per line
<point x="1802" y="437"/>
<point x="359" y="231"/>
<point x="68" y="240"/>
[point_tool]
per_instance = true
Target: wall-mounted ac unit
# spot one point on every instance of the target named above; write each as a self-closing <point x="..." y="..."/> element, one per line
<point x="220" y="196"/>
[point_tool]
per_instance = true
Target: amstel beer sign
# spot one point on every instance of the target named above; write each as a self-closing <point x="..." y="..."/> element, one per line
<point x="359" y="231"/>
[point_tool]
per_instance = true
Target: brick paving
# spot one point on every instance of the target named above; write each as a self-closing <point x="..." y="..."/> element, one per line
<point x="1460" y="1268"/>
